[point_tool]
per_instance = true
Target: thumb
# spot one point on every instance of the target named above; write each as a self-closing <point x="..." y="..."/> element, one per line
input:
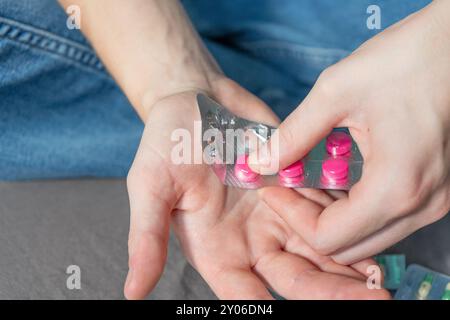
<point x="316" y="116"/>
<point x="149" y="230"/>
<point x="244" y="104"/>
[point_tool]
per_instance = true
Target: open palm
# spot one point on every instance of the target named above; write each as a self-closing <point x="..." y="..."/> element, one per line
<point x="233" y="239"/>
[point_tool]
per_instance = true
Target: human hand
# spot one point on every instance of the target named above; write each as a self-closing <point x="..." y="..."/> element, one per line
<point x="393" y="95"/>
<point x="236" y="242"/>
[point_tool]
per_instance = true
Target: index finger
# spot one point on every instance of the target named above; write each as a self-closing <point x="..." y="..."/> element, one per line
<point x="342" y="223"/>
<point x="316" y="117"/>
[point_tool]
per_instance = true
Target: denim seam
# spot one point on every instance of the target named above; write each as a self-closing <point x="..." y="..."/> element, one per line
<point x="51" y="43"/>
<point x="296" y="51"/>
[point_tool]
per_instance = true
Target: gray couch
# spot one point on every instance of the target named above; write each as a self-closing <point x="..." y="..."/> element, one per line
<point x="47" y="226"/>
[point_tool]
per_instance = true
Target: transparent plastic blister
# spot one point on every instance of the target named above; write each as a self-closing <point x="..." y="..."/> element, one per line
<point x="335" y="163"/>
<point x="394" y="269"/>
<point x="420" y="283"/>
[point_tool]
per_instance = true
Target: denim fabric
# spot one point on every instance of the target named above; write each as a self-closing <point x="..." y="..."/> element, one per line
<point x="61" y="114"/>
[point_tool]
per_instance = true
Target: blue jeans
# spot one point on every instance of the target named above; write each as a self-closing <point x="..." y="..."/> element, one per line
<point x="61" y="114"/>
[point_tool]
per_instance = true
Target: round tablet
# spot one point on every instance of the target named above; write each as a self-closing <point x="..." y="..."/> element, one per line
<point x="242" y="171"/>
<point x="338" y="143"/>
<point x="293" y="182"/>
<point x="335" y="169"/>
<point x="294" y="170"/>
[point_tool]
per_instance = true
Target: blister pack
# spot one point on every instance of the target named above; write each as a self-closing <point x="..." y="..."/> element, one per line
<point x="420" y="283"/>
<point x="393" y="267"/>
<point x="335" y="163"/>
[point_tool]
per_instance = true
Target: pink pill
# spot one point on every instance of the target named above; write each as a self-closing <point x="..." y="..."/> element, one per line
<point x="242" y="171"/>
<point x="290" y="182"/>
<point x="335" y="170"/>
<point x="339" y="143"/>
<point x="294" y="170"/>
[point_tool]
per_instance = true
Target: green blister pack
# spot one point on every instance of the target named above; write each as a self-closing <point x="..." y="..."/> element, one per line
<point x="393" y="267"/>
<point x="420" y="283"/>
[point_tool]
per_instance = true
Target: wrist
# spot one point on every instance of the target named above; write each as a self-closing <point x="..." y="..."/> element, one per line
<point x="207" y="83"/>
<point x="192" y="68"/>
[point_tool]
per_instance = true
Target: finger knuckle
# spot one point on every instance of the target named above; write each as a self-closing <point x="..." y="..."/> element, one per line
<point x="321" y="245"/>
<point x="286" y="137"/>
<point x="408" y="199"/>
<point x="327" y="84"/>
<point x="405" y="194"/>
